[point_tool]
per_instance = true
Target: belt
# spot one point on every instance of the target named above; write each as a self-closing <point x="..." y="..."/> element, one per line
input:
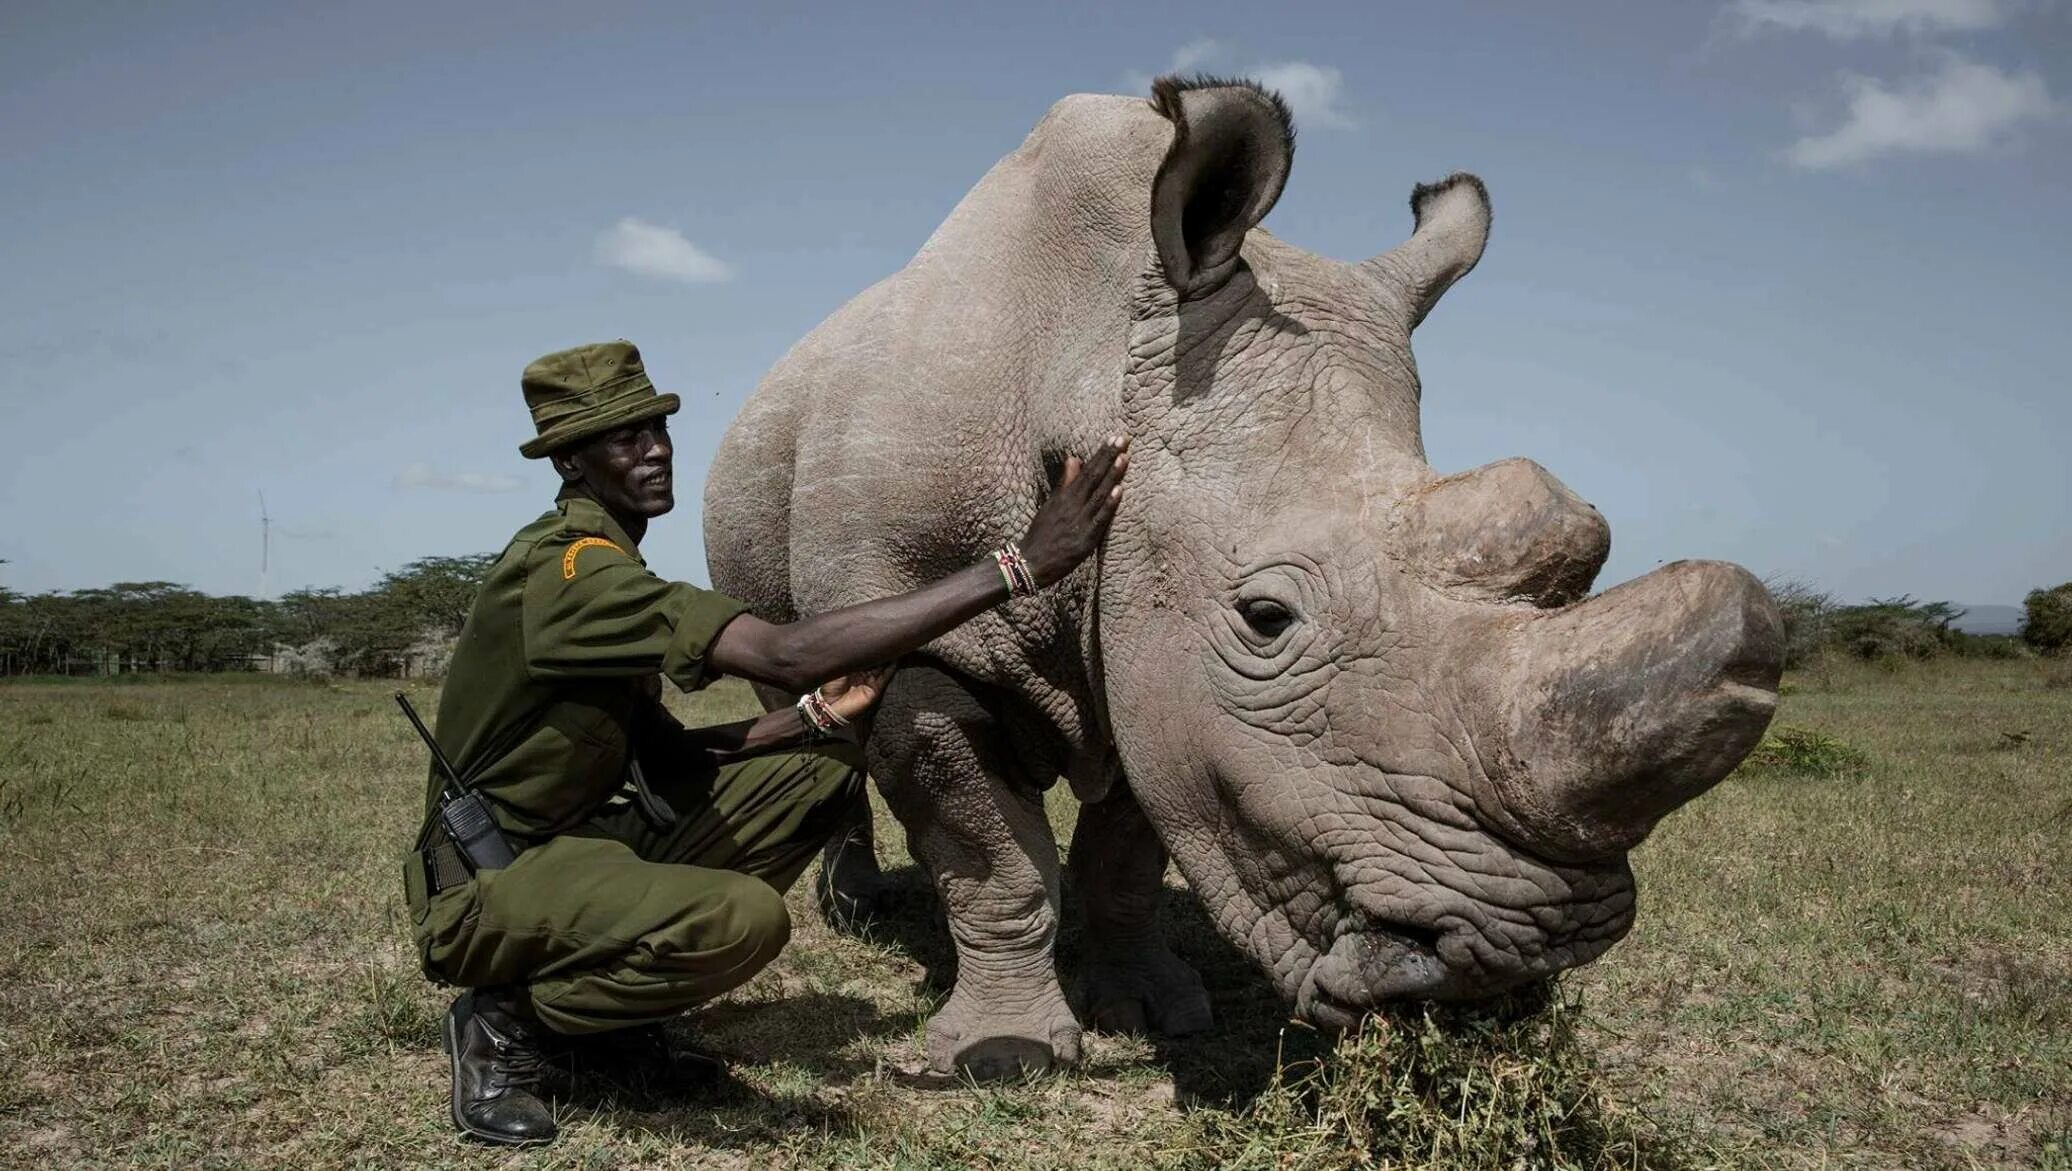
<point x="446" y="868"/>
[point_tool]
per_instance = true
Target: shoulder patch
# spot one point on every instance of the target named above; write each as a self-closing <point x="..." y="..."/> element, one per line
<point x="568" y="558"/>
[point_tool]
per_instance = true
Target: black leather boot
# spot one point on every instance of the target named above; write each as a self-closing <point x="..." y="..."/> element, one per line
<point x="497" y="1062"/>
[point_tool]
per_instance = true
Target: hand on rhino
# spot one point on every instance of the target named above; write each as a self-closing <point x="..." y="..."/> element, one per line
<point x="852" y="696"/>
<point x="1070" y="525"/>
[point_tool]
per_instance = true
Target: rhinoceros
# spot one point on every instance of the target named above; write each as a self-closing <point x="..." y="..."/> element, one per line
<point x="1373" y="713"/>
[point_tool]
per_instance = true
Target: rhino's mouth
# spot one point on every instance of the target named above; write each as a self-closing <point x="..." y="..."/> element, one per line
<point x="1371" y="963"/>
<point x="1375" y="959"/>
<point x="1460" y="913"/>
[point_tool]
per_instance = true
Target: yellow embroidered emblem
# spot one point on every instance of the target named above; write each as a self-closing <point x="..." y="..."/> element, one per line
<point x="568" y="559"/>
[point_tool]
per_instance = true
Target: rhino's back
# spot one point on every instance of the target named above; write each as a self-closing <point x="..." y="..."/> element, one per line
<point x="905" y="435"/>
<point x="841" y="454"/>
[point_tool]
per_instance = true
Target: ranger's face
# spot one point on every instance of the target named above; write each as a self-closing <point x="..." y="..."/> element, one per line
<point x="627" y="470"/>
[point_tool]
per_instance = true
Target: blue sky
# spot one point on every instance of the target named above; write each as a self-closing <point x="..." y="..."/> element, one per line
<point x="1780" y="281"/>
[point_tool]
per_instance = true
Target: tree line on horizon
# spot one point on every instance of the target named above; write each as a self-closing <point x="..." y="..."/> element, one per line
<point x="405" y="623"/>
<point x="394" y="627"/>
<point x="1816" y="623"/>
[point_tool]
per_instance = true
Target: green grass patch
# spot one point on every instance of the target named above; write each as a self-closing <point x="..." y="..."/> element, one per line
<point x="1502" y="1085"/>
<point x="1803" y="750"/>
<point x="205" y="962"/>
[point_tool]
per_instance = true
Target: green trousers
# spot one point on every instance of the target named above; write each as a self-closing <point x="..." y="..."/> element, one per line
<point x="617" y="924"/>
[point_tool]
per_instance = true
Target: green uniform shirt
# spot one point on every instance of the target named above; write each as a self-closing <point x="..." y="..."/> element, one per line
<point x="557" y="664"/>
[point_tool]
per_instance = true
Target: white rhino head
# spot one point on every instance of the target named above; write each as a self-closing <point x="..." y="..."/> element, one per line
<point x="1390" y="741"/>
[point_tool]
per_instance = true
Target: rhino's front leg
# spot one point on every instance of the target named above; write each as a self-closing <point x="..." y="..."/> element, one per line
<point x="1132" y="981"/>
<point x="985" y="841"/>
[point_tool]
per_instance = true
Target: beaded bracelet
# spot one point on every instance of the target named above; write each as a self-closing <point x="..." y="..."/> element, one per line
<point x="1014" y="569"/>
<point x="820" y="717"/>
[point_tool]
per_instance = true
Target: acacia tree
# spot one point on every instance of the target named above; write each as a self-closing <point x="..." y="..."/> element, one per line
<point x="375" y="631"/>
<point x="437" y="592"/>
<point x="1895" y="626"/>
<point x="2047" y="619"/>
<point x="1808" y="613"/>
<point x="304" y="616"/>
<point x="222" y="632"/>
<point x="46" y="632"/>
<point x="10" y="632"/>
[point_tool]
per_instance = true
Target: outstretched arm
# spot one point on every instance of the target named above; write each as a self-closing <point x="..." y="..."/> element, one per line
<point x="798" y="655"/>
<point x="850" y="697"/>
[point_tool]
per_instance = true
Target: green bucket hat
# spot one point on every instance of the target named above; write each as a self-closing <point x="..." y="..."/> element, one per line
<point x="587" y="391"/>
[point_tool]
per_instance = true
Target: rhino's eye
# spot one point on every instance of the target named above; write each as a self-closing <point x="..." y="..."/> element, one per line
<point x="1265" y="616"/>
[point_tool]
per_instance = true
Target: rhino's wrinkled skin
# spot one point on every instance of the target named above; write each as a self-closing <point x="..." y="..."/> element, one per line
<point x="1371" y="712"/>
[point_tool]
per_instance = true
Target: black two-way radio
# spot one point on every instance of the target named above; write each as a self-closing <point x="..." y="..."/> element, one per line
<point x="462" y="811"/>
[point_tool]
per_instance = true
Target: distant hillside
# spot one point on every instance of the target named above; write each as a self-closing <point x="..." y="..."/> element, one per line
<point x="1989" y="619"/>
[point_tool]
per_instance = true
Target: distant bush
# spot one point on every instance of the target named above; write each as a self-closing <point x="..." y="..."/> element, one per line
<point x="1803" y="750"/>
<point x="1900" y="627"/>
<point x="1807" y="613"/>
<point x="1887" y="631"/>
<point x="1988" y="646"/>
<point x="2047" y="619"/>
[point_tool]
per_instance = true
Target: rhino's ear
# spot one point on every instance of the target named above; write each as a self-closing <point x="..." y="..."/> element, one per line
<point x="1232" y="144"/>
<point x="1452" y="226"/>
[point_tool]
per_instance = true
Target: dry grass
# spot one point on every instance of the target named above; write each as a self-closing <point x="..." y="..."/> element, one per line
<point x="203" y="963"/>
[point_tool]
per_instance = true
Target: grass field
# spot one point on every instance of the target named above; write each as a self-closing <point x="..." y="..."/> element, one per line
<point x="204" y="962"/>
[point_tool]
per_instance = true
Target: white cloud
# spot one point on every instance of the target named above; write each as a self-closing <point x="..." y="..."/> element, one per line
<point x="1195" y="54"/>
<point x="1963" y="106"/>
<point x="423" y="476"/>
<point x="1846" y="20"/>
<point x="1315" y="92"/>
<point x="652" y="250"/>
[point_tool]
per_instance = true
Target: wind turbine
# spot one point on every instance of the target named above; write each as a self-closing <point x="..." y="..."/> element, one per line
<point x="265" y="546"/>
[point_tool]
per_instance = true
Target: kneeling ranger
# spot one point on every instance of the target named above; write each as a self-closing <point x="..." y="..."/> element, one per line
<point x="650" y="860"/>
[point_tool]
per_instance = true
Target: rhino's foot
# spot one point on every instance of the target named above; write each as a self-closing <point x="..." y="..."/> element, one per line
<point x="1154" y="991"/>
<point x="993" y="1039"/>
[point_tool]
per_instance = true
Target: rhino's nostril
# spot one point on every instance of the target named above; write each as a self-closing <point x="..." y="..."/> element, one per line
<point x="1354" y="921"/>
<point x="1422" y="938"/>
